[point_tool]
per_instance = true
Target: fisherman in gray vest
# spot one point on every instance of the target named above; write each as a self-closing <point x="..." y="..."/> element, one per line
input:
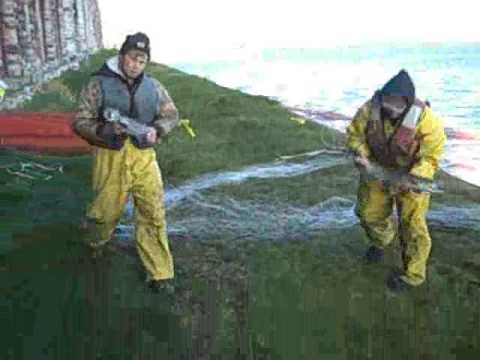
<point x="400" y="133"/>
<point x="125" y="164"/>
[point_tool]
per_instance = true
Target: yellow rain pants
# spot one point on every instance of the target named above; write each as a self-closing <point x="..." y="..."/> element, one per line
<point x="132" y="171"/>
<point x="375" y="211"/>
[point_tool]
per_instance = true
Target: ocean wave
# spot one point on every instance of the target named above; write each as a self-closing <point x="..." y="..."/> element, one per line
<point x="321" y="82"/>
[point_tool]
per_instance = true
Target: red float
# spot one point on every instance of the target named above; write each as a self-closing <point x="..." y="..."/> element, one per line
<point x="41" y="132"/>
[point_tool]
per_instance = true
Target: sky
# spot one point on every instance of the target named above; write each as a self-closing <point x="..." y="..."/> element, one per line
<point x="195" y="31"/>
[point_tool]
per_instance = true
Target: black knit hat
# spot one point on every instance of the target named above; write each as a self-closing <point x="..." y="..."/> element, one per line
<point x="401" y="85"/>
<point x="137" y="41"/>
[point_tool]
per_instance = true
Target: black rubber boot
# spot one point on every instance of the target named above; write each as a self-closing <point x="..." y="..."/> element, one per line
<point x="395" y="283"/>
<point x="374" y="255"/>
<point x="165" y="286"/>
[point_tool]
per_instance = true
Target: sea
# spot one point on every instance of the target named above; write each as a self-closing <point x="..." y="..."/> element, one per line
<point x="338" y="80"/>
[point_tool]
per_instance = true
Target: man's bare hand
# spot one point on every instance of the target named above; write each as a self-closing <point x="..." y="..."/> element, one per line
<point x="407" y="183"/>
<point x="361" y="161"/>
<point x="152" y="136"/>
<point x="118" y="129"/>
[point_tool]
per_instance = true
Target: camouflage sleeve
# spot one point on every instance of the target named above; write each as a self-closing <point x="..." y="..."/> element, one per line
<point x="86" y="120"/>
<point x="167" y="113"/>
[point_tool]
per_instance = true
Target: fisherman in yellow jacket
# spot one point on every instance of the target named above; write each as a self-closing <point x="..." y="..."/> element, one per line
<point x="399" y="132"/>
<point x="124" y="165"/>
